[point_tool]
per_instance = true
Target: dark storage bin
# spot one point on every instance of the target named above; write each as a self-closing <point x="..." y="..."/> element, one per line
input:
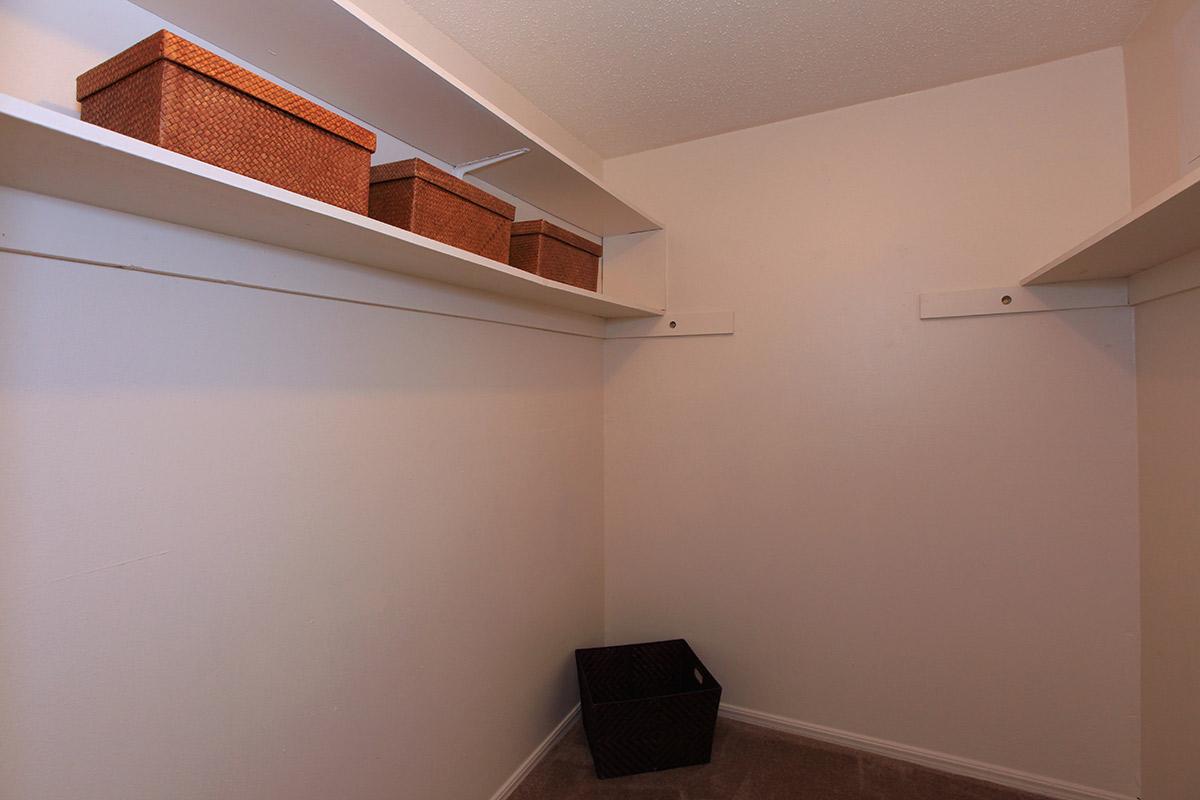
<point x="646" y="707"/>
<point x="175" y="94"/>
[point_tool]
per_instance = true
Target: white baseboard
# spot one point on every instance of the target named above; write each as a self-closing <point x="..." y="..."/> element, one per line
<point x="537" y="755"/>
<point x="1015" y="779"/>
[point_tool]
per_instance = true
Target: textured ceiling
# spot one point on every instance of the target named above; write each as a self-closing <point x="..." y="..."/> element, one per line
<point x="626" y="76"/>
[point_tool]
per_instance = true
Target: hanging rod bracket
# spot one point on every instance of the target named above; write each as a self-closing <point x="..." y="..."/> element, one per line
<point x="460" y="170"/>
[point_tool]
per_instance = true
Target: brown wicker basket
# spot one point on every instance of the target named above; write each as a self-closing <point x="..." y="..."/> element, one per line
<point x="548" y="250"/>
<point x="421" y="198"/>
<point x="170" y="92"/>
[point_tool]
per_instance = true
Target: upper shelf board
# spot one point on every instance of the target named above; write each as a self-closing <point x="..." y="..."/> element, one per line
<point x="50" y="153"/>
<point x="337" y="52"/>
<point x="1164" y="227"/>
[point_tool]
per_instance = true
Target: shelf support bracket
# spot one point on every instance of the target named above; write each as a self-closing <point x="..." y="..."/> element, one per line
<point x="460" y="170"/>
<point x="693" y="323"/>
<point x="1024" y="299"/>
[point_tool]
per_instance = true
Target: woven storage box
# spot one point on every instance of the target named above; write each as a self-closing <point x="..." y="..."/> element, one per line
<point x="175" y="94"/>
<point x="646" y="707"/>
<point x="554" y="253"/>
<point x="424" y="199"/>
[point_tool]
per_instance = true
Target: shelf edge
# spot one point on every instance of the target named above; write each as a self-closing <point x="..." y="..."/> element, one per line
<point x="77" y="134"/>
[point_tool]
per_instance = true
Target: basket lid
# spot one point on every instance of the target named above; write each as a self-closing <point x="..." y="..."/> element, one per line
<point x="167" y="46"/>
<point x="545" y="228"/>
<point x="416" y="168"/>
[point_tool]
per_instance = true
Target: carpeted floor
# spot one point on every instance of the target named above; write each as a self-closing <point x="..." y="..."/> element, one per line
<point x="753" y="763"/>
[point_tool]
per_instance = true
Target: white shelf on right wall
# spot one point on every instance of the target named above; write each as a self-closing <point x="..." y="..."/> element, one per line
<point x="1163" y="228"/>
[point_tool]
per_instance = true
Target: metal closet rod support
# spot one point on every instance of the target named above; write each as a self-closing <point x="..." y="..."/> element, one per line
<point x="460" y="170"/>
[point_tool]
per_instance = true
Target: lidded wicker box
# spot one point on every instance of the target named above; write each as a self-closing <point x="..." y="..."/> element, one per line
<point x="175" y="94"/>
<point x="419" y="197"/>
<point x="646" y="707"/>
<point x="552" y="252"/>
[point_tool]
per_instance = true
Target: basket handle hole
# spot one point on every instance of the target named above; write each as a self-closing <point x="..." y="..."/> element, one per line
<point x="699" y="677"/>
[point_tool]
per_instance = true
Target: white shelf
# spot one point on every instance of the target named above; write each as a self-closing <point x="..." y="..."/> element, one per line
<point x="50" y="153"/>
<point x="340" y="54"/>
<point x="1164" y="227"/>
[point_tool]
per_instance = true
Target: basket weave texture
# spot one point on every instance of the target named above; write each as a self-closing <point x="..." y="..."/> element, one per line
<point x="175" y="94"/>
<point x="419" y="197"/>
<point x="646" y="707"/>
<point x="552" y="252"/>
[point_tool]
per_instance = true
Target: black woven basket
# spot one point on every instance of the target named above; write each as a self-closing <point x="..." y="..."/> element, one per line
<point x="646" y="707"/>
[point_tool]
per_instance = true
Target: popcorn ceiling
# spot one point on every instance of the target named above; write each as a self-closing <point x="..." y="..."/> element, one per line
<point x="627" y="76"/>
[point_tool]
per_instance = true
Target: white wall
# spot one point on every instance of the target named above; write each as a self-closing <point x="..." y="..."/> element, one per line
<point x="231" y="565"/>
<point x="1168" y="353"/>
<point x="924" y="532"/>
<point x="1162" y="66"/>
<point x="1162" y="62"/>
<point x="258" y="545"/>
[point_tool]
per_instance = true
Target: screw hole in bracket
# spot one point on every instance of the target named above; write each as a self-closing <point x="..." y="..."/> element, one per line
<point x="673" y="323"/>
<point x="1006" y="299"/>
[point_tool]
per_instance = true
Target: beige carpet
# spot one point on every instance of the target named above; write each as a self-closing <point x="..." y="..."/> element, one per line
<point x="752" y="763"/>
